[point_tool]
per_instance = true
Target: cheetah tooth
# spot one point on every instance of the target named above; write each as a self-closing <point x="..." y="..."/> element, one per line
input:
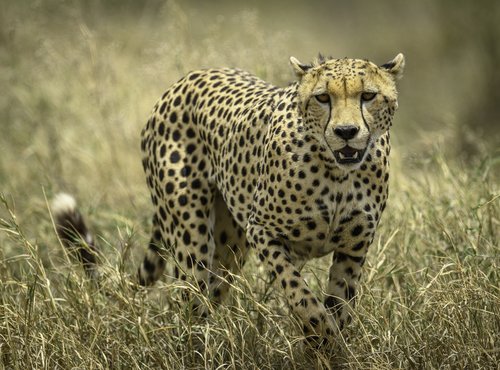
<point x="355" y="156"/>
<point x="341" y="155"/>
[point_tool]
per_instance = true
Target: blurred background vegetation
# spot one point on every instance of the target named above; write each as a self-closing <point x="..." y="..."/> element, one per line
<point x="79" y="78"/>
<point x="71" y="71"/>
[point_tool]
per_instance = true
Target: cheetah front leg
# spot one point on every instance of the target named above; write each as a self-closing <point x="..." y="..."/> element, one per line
<point x="275" y="256"/>
<point x="351" y="241"/>
<point x="230" y="250"/>
<point x="343" y="278"/>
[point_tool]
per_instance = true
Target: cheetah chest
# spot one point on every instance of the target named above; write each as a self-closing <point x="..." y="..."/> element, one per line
<point x="308" y="224"/>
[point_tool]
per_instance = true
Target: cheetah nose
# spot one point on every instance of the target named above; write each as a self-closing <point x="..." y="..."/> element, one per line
<point x="346" y="132"/>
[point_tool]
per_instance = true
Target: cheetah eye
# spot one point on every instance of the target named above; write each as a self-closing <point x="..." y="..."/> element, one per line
<point x="323" y="98"/>
<point x="367" y="96"/>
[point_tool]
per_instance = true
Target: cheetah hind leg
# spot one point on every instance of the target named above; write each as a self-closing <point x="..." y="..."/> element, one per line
<point x="231" y="249"/>
<point x="153" y="264"/>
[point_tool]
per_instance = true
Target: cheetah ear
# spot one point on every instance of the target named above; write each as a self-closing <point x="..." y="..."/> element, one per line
<point x="395" y="67"/>
<point x="299" y="68"/>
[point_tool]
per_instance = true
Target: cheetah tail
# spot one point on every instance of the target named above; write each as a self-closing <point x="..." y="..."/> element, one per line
<point x="73" y="232"/>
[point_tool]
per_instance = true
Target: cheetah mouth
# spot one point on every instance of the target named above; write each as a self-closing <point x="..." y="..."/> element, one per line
<point x="349" y="155"/>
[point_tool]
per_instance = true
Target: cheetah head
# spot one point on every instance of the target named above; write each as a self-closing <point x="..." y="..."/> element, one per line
<point x="347" y="103"/>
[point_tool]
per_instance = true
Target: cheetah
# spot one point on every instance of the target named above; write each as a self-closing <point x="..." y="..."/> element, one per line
<point x="234" y="163"/>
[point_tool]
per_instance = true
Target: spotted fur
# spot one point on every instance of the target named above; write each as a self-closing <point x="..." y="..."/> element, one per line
<point x="234" y="163"/>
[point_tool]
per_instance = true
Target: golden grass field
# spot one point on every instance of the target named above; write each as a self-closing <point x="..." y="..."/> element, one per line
<point x="78" y="80"/>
